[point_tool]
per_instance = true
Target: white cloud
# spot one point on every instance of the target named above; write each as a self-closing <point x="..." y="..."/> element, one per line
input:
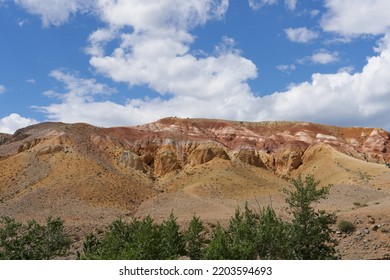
<point x="314" y="13"/>
<point x="156" y="52"/>
<point x="12" y="122"/>
<point x="99" y="39"/>
<point x="347" y="69"/>
<point x="257" y="4"/>
<point x="356" y="17"/>
<point x="341" y="99"/>
<point x="79" y="103"/>
<point x="290" y="4"/>
<point x="2" y="89"/>
<point x="324" y="57"/>
<point x="78" y="89"/>
<point x="321" y="56"/>
<point x="54" y="12"/>
<point x="168" y="15"/>
<point x="153" y="48"/>
<point x="301" y="35"/>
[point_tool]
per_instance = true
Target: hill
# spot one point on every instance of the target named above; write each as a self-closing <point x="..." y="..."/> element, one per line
<point x="90" y="175"/>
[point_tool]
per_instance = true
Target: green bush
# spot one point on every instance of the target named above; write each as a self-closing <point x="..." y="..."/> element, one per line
<point x="32" y="241"/>
<point x="172" y="241"/>
<point x="271" y="236"/>
<point x="195" y="239"/>
<point x="218" y="248"/>
<point x="250" y="235"/>
<point x="137" y="240"/>
<point x="345" y="226"/>
<point x="310" y="232"/>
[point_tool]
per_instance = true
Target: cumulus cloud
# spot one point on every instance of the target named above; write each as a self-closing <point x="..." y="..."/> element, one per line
<point x="54" y="12"/>
<point x="80" y="102"/>
<point x="321" y="56"/>
<point x="2" y="89"/>
<point x="257" y="4"/>
<point x="347" y="69"/>
<point x="291" y="4"/>
<point x="12" y="122"/>
<point x="78" y="89"/>
<point x="342" y="98"/>
<point x="152" y="47"/>
<point x="301" y="35"/>
<point x="157" y="50"/>
<point x="165" y="16"/>
<point x="324" y="57"/>
<point x="356" y="17"/>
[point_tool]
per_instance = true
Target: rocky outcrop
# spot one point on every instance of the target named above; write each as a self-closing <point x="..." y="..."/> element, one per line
<point x="4" y="138"/>
<point x="206" y="152"/>
<point x="131" y="160"/>
<point x="170" y="144"/>
<point x="28" y="145"/>
<point x="288" y="156"/>
<point x="377" y="145"/>
<point x="166" y="160"/>
<point x="250" y="157"/>
<point x="50" y="149"/>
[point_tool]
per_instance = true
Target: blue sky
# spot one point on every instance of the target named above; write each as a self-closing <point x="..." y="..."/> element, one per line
<point x="127" y="62"/>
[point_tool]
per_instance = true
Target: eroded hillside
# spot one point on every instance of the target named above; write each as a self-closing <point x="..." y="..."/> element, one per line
<point x="90" y="175"/>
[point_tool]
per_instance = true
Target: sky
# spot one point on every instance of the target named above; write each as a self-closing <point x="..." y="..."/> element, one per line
<point x="129" y="62"/>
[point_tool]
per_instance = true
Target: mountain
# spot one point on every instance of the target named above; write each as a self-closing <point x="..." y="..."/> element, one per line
<point x="90" y="175"/>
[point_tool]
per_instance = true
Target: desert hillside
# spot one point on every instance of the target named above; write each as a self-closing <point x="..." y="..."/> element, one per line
<point x="90" y="175"/>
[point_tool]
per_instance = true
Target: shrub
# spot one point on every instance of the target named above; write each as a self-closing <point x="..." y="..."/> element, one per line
<point x="310" y="232"/>
<point x="250" y="235"/>
<point x="32" y="241"/>
<point x="345" y="226"/>
<point x="195" y="239"/>
<point x="172" y="243"/>
<point x="137" y="240"/>
<point x="218" y="248"/>
<point x="242" y="234"/>
<point x="271" y="235"/>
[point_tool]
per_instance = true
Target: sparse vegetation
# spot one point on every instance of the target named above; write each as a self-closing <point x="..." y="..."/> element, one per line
<point x="346" y="226"/>
<point x="359" y="204"/>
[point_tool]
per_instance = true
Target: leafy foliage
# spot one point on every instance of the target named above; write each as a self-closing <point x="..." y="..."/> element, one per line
<point x="139" y="239"/>
<point x="195" y="239"/>
<point x="250" y="235"/>
<point x="271" y="236"/>
<point x="310" y="232"/>
<point x="32" y="241"/>
<point x="218" y="248"/>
